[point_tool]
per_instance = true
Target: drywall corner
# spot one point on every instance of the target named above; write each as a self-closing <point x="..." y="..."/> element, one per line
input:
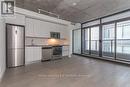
<point x="2" y="48"/>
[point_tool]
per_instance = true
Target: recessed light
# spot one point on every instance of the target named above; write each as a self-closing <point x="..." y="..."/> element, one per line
<point x="74" y="4"/>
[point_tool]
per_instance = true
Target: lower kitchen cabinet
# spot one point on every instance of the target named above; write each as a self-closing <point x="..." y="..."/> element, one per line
<point x="32" y="54"/>
<point x="65" y="51"/>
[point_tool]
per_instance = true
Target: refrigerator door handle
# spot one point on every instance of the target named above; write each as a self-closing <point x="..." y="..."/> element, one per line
<point x="16" y="32"/>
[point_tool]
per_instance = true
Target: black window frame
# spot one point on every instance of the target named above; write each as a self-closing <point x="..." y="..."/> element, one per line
<point x="100" y="35"/>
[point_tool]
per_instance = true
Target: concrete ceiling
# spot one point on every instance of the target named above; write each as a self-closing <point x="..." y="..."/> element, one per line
<point x="83" y="11"/>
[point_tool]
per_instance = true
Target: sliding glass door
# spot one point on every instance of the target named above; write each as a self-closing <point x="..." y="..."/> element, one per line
<point x="108" y="40"/>
<point x="94" y="40"/>
<point x="86" y="41"/>
<point x="91" y="41"/>
<point x="123" y="40"/>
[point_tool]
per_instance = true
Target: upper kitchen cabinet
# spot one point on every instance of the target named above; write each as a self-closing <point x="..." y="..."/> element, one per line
<point x="43" y="28"/>
<point x="29" y="29"/>
<point x="39" y="28"/>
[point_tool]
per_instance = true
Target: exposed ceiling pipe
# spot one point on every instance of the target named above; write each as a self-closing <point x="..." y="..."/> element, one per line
<point x="41" y="10"/>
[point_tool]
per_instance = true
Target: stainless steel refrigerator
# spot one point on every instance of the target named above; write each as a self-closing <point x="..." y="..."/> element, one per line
<point x="15" y="38"/>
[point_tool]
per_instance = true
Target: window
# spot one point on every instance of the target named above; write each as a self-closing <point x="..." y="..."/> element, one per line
<point x="95" y="40"/>
<point x="86" y="41"/>
<point x="108" y="40"/>
<point x="91" y="40"/>
<point x="108" y="37"/>
<point x="123" y="40"/>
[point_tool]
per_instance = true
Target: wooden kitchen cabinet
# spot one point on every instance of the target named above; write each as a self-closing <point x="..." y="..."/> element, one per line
<point x="32" y="54"/>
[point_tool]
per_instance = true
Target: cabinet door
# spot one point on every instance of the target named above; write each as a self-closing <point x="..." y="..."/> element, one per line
<point x="28" y="54"/>
<point x="37" y="53"/>
<point x="65" y="51"/>
<point x="29" y="27"/>
<point x="32" y="54"/>
<point x="44" y="31"/>
<point x="37" y="28"/>
<point x="40" y="29"/>
<point x="66" y="48"/>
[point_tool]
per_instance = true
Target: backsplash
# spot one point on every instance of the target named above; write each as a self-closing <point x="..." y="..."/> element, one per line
<point x="37" y="41"/>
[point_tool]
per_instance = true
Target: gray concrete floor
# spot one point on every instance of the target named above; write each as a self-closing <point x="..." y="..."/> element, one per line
<point x="69" y="72"/>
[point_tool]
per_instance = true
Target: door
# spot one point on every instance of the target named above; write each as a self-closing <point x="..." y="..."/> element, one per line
<point x="123" y="41"/>
<point x="15" y="45"/>
<point x="86" y="44"/>
<point x="90" y="41"/>
<point x="15" y="57"/>
<point x="94" y="40"/>
<point x="108" y="40"/>
<point x="15" y="36"/>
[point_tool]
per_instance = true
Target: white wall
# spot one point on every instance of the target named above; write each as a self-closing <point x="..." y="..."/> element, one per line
<point x="32" y="14"/>
<point x="15" y="19"/>
<point x="77" y="41"/>
<point x="71" y="27"/>
<point x="20" y="14"/>
<point x="2" y="46"/>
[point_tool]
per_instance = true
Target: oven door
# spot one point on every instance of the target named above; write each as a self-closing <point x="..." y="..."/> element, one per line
<point x="57" y="51"/>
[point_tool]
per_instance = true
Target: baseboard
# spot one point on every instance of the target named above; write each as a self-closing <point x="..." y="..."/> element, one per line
<point x="28" y="63"/>
<point x="2" y="75"/>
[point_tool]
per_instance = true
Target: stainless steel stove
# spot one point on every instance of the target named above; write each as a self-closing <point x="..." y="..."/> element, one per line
<point x="51" y="53"/>
<point x="56" y="52"/>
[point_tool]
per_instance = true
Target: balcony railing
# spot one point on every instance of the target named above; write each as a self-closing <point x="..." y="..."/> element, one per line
<point x="108" y="47"/>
